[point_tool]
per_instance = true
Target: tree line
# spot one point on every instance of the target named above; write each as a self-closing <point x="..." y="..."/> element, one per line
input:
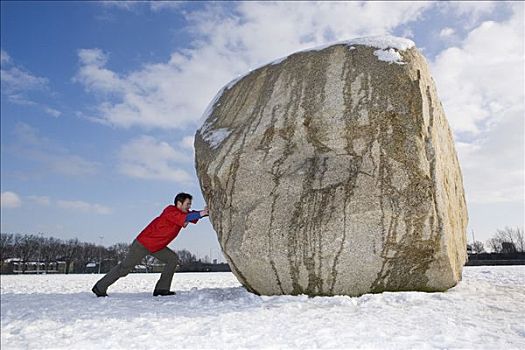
<point x="77" y="255"/>
<point x="507" y="241"/>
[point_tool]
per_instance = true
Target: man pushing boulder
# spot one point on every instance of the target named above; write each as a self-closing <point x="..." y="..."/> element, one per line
<point x="154" y="240"/>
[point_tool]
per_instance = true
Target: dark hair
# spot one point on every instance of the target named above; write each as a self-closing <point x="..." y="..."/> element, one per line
<point x="181" y="197"/>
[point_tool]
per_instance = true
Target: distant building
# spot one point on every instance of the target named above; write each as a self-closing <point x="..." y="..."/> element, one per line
<point x="156" y="268"/>
<point x="91" y="267"/>
<point x="17" y="266"/>
<point x="508" y="248"/>
<point x="140" y="268"/>
<point x="199" y="266"/>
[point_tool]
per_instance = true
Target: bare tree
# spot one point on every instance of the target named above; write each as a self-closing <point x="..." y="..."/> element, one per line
<point x="185" y="257"/>
<point x="87" y="252"/>
<point x="102" y="253"/>
<point x="510" y="235"/>
<point x="69" y="252"/>
<point x="50" y="250"/>
<point x="6" y="246"/>
<point x="494" y="245"/>
<point x="477" y="247"/>
<point x="26" y="248"/>
<point x="119" y="251"/>
<point x="148" y="261"/>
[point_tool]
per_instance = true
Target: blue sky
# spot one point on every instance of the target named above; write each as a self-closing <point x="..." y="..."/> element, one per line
<point x="100" y="101"/>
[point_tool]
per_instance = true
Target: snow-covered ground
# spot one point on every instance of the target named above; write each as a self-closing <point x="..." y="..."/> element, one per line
<point x="211" y="310"/>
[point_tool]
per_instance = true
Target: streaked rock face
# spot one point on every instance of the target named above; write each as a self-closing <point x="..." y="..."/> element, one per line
<point x="334" y="172"/>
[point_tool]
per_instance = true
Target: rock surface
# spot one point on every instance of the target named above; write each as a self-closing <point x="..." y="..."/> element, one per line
<point x="333" y="171"/>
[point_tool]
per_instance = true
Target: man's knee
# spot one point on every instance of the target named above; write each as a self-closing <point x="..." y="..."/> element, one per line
<point x="168" y="257"/>
<point x="172" y="261"/>
<point x="123" y="271"/>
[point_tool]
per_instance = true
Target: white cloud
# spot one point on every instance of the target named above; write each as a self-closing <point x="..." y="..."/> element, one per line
<point x="147" y="158"/>
<point x="10" y="200"/>
<point x="53" y="157"/>
<point x="4" y="57"/>
<point x="17" y="82"/>
<point x="471" y="11"/>
<point x="492" y="166"/>
<point x="77" y="205"/>
<point x="93" y="57"/>
<point x="94" y="76"/>
<point x="70" y="164"/>
<point x="21" y="99"/>
<point x="407" y="33"/>
<point x="121" y="4"/>
<point x="475" y="8"/>
<point x="84" y="207"/>
<point x="446" y="32"/>
<point x="187" y="142"/>
<point x="154" y="5"/>
<point x="40" y="200"/>
<point x="174" y="94"/>
<point x="165" y="5"/>
<point x="481" y="86"/>
<point x="481" y="81"/>
<point x="55" y="113"/>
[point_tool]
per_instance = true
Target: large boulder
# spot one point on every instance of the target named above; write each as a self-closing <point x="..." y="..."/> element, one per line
<point x="333" y="171"/>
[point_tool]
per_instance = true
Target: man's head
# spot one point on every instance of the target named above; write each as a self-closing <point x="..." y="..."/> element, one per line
<point x="183" y="201"/>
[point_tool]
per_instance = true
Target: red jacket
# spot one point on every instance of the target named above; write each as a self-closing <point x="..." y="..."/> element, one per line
<point x="163" y="229"/>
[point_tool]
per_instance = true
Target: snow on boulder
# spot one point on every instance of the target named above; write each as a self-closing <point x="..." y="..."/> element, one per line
<point x="333" y="171"/>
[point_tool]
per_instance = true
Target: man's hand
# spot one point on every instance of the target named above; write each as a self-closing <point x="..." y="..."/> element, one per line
<point x="204" y="212"/>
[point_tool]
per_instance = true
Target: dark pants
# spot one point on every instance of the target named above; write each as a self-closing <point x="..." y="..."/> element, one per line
<point x="135" y="255"/>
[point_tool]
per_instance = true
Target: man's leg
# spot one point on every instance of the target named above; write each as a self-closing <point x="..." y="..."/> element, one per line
<point x="168" y="257"/>
<point x="136" y="252"/>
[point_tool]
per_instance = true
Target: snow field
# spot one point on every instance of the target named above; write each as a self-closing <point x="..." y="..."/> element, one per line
<point x="213" y="311"/>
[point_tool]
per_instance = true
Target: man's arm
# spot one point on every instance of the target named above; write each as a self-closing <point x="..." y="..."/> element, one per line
<point x="194" y="216"/>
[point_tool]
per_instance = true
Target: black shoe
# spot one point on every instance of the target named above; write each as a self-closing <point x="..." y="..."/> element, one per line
<point x="163" y="292"/>
<point x="97" y="292"/>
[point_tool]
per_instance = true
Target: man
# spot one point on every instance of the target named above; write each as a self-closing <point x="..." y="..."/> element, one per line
<point x="153" y="240"/>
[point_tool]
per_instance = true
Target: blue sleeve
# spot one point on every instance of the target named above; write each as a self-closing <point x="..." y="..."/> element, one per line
<point x="194" y="215"/>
